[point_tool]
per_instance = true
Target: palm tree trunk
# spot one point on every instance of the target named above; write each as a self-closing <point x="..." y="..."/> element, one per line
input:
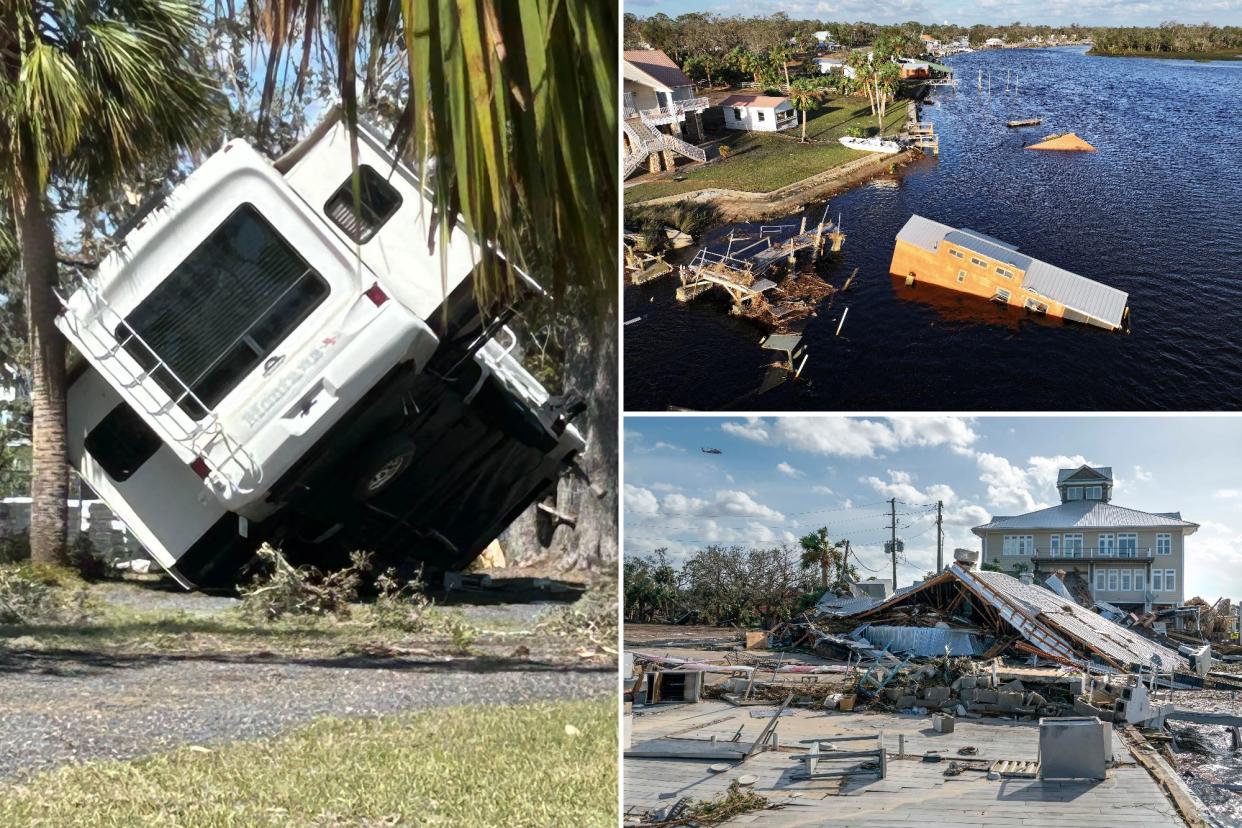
<point x="49" y="479"/>
<point x="823" y="572"/>
<point x="804" y="126"/>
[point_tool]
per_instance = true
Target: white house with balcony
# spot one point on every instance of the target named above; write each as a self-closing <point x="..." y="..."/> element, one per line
<point x="758" y="113"/>
<point x="661" y="112"/>
<point x="1126" y="557"/>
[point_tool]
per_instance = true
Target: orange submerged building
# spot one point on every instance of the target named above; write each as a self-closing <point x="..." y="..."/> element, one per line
<point x="971" y="262"/>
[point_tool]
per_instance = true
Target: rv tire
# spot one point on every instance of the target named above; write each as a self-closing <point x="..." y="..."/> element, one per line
<point x="382" y="466"/>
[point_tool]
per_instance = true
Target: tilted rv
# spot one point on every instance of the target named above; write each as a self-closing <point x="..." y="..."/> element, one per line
<point x="272" y="354"/>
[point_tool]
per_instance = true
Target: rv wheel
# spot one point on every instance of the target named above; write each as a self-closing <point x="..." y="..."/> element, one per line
<point x="382" y="466"/>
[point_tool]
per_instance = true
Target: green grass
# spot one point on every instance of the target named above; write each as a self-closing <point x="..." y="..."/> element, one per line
<point x="503" y="766"/>
<point x="761" y="162"/>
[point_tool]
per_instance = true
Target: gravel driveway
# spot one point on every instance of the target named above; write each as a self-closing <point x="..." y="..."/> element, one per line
<point x="73" y="708"/>
<point x="58" y="707"/>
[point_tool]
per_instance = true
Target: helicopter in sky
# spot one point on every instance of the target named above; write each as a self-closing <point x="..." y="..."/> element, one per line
<point x="710" y="450"/>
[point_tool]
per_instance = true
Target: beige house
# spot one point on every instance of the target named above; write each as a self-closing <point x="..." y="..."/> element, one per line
<point x="661" y="115"/>
<point x="1130" y="558"/>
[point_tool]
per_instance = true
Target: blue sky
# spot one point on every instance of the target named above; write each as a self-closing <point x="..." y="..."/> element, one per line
<point x="961" y="12"/>
<point x="777" y="478"/>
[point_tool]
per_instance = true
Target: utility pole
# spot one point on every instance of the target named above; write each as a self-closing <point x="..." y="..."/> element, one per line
<point x="939" y="536"/>
<point x="892" y="525"/>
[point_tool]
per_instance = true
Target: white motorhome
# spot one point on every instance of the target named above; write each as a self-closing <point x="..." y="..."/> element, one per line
<point x="273" y="354"/>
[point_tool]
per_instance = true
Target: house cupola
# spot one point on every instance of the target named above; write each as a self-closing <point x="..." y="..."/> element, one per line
<point x="1085" y="483"/>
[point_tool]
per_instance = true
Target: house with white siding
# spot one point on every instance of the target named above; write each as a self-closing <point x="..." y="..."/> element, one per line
<point x="758" y="113"/>
<point x="1126" y="557"/>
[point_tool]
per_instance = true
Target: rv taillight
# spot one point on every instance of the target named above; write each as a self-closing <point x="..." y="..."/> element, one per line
<point x="376" y="294"/>
<point x="200" y="467"/>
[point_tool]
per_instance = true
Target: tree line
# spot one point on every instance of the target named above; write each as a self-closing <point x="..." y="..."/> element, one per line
<point x="736" y="585"/>
<point x="695" y="34"/>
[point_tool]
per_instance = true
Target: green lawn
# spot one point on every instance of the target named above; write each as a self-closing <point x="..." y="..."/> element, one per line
<point x="762" y="162"/>
<point x="502" y="766"/>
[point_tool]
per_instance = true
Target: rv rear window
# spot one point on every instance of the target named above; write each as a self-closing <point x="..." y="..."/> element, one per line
<point x="121" y="443"/>
<point x="377" y="202"/>
<point x="222" y="311"/>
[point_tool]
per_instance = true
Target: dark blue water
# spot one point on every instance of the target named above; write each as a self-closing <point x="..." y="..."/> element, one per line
<point x="1156" y="212"/>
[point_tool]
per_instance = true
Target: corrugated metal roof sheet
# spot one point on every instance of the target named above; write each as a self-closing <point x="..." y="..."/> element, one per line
<point x="1050" y="623"/>
<point x="923" y="641"/>
<point x="1086" y="514"/>
<point x="1114" y="641"/>
<point x="987" y="238"/>
<point x="1078" y="292"/>
<point x="923" y="232"/>
<point x="970" y="241"/>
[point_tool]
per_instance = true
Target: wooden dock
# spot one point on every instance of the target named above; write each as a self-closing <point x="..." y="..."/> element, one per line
<point x="921" y="134"/>
<point x="743" y="269"/>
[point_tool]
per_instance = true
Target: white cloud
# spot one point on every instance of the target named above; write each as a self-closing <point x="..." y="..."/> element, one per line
<point x="724" y="503"/>
<point x="788" y="470"/>
<point x="1141" y="474"/>
<point x="901" y="486"/>
<point x="640" y="501"/>
<point x="824" y="490"/>
<point x="1229" y="494"/>
<point x="854" y="436"/>
<point x="664" y="487"/>
<point x="668" y="446"/>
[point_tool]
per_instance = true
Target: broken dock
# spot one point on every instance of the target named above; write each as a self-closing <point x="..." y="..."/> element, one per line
<point x="749" y="267"/>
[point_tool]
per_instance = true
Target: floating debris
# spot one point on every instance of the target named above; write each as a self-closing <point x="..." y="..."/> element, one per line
<point x="1066" y="142"/>
<point x="1022" y="122"/>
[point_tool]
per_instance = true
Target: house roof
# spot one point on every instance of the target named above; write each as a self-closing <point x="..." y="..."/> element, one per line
<point x="1085" y="473"/>
<point x="1077" y="293"/>
<point x="657" y="66"/>
<point x="1050" y="624"/>
<point x="1088" y="514"/>
<point x="760" y="101"/>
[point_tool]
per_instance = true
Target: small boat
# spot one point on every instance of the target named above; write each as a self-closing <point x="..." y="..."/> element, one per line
<point x="1025" y="122"/>
<point x="873" y="144"/>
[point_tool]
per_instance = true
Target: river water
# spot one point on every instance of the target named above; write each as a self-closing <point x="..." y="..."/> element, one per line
<point x="1156" y="212"/>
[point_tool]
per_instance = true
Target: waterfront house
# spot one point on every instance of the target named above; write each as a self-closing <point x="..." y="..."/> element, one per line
<point x="1132" y="559"/>
<point x="994" y="43"/>
<point x="832" y="64"/>
<point x="971" y="262"/>
<point x="913" y="68"/>
<point x="758" y="113"/>
<point x="931" y="44"/>
<point x="662" y="116"/>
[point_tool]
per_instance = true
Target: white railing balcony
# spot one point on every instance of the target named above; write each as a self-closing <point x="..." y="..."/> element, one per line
<point x="671" y="112"/>
<point x="1088" y="553"/>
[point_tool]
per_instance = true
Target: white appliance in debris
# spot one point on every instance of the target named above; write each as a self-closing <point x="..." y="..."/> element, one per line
<point x="1074" y="747"/>
<point x="273" y="353"/>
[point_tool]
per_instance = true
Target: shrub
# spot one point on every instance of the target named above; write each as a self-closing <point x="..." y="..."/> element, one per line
<point x="724" y="152"/>
<point x="401" y="606"/>
<point x="90" y="562"/>
<point x="592" y="618"/>
<point x="284" y="589"/>
<point x="461" y="632"/>
<point x="14" y="547"/>
<point x="29" y="596"/>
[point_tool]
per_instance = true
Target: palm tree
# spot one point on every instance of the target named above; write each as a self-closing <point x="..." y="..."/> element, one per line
<point x="818" y="550"/>
<point x="87" y="90"/>
<point x="512" y="104"/>
<point x="804" y="94"/>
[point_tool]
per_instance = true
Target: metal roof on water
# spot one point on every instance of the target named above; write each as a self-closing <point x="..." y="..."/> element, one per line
<point x="1079" y="293"/>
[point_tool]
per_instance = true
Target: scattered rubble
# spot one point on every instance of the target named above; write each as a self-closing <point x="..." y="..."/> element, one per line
<point x="962" y="645"/>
